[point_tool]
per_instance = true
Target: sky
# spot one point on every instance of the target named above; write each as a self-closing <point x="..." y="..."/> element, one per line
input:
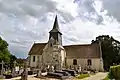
<point x="23" y="22"/>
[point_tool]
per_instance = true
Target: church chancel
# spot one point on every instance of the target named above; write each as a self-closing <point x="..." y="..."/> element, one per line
<point x="54" y="56"/>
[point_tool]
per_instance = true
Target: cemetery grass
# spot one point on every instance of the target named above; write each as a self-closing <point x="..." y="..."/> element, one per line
<point x="81" y="76"/>
<point x="106" y="78"/>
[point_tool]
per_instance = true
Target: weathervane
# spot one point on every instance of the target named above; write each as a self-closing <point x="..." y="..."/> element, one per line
<point x="56" y="11"/>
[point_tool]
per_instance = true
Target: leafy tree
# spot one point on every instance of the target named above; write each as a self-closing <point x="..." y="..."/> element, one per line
<point x="20" y="62"/>
<point x="4" y="52"/>
<point x="12" y="59"/>
<point x="110" y="50"/>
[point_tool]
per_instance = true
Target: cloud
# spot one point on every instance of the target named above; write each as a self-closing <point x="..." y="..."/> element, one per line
<point x="27" y="7"/>
<point x="112" y="8"/>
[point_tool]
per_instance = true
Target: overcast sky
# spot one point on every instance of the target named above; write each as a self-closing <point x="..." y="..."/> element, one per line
<point x="24" y="21"/>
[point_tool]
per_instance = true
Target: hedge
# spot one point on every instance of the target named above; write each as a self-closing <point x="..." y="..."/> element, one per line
<point x="114" y="72"/>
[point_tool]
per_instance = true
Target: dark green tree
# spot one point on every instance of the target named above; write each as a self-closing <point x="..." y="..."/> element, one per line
<point x="20" y="62"/>
<point x="110" y="50"/>
<point x="4" y="52"/>
<point x="12" y="59"/>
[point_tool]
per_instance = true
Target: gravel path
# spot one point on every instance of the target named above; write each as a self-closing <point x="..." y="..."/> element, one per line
<point x="98" y="76"/>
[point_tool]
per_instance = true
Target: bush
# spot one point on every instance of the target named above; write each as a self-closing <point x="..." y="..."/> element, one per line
<point x="82" y="76"/>
<point x="114" y="72"/>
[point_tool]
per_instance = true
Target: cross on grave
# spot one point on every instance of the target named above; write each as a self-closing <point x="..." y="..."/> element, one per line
<point x="24" y="75"/>
<point x="13" y="69"/>
<point x="1" y="69"/>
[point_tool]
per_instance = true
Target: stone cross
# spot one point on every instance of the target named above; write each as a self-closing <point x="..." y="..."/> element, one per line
<point x="13" y="69"/>
<point x="24" y="75"/>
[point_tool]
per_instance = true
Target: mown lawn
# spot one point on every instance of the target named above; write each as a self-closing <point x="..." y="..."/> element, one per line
<point x="81" y="76"/>
<point x="106" y="78"/>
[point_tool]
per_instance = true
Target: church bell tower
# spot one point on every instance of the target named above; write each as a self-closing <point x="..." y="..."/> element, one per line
<point x="55" y="33"/>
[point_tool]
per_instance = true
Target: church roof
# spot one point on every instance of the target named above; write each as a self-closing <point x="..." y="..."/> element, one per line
<point x="83" y="51"/>
<point x="55" y="26"/>
<point x="37" y="48"/>
<point x="72" y="51"/>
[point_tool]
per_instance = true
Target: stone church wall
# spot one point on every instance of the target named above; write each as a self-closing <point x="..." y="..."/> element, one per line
<point x="34" y="63"/>
<point x="96" y="63"/>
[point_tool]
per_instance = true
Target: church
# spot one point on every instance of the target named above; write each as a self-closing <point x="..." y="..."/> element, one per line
<point x="53" y="53"/>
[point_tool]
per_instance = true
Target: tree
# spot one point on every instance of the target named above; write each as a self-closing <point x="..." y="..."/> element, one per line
<point x="20" y="62"/>
<point x="4" y="52"/>
<point x="110" y="50"/>
<point x="12" y="59"/>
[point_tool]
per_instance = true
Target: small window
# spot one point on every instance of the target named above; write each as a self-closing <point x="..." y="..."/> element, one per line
<point x="51" y="45"/>
<point x="74" y="62"/>
<point x="33" y="58"/>
<point x="89" y="62"/>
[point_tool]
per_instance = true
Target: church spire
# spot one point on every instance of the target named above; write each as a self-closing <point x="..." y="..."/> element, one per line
<point x="55" y="26"/>
<point x="55" y="32"/>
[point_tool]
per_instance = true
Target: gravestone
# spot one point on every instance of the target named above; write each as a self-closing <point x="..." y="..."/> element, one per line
<point x="79" y="69"/>
<point x="13" y="69"/>
<point x="51" y="68"/>
<point x="17" y="69"/>
<point x="24" y="75"/>
<point x="1" y="69"/>
<point x="39" y="73"/>
<point x="41" y="69"/>
<point x="20" y="71"/>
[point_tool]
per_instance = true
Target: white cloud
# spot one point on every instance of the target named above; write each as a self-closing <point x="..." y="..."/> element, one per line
<point x="112" y="7"/>
<point x="24" y="21"/>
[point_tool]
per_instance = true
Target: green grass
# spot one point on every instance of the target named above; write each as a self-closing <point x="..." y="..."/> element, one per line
<point x="82" y="76"/>
<point x="106" y="78"/>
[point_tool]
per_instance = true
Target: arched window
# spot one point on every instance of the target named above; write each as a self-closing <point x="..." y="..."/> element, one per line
<point x="74" y="61"/>
<point x="89" y="62"/>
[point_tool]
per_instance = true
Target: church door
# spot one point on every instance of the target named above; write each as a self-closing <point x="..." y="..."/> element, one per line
<point x="74" y="62"/>
<point x="89" y="62"/>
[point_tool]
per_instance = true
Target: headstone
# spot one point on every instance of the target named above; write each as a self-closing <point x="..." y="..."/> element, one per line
<point x="17" y="69"/>
<point x="20" y="71"/>
<point x="24" y="75"/>
<point x="39" y="73"/>
<point x="51" y="68"/>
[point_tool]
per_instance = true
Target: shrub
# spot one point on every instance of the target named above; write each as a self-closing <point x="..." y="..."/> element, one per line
<point x="114" y="72"/>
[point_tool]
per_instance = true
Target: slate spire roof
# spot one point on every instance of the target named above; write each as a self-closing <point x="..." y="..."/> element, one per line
<point x="55" y="26"/>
